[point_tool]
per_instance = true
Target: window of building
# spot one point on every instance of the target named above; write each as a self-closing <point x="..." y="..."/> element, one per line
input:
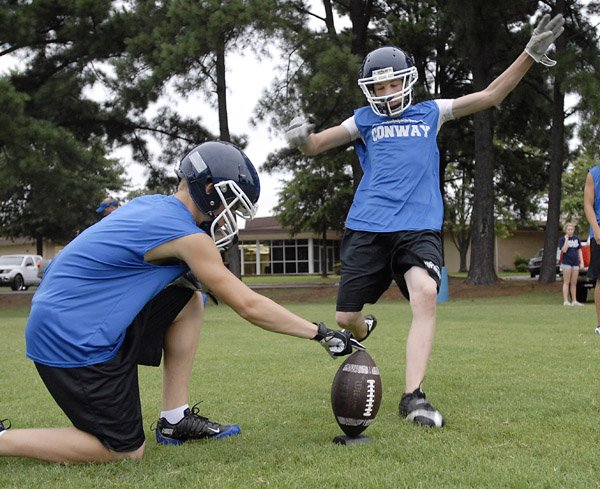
<point x="290" y="256"/>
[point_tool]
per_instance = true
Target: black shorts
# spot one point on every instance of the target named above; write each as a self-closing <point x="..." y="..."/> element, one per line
<point x="594" y="268"/>
<point x="104" y="399"/>
<point x="371" y="260"/>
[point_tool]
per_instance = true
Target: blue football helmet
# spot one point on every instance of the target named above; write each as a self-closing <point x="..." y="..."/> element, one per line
<point x="384" y="64"/>
<point x="236" y="187"/>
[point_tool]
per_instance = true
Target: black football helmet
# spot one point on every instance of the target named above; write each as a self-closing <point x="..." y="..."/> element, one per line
<point x="383" y="64"/>
<point x="236" y="184"/>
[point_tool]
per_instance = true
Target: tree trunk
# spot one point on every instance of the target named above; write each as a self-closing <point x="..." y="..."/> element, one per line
<point x="233" y="254"/>
<point x="482" y="270"/>
<point x="462" y="240"/>
<point x="360" y="13"/>
<point x="557" y="148"/>
<point x="39" y="245"/>
<point x="324" y="264"/>
<point x="222" y="93"/>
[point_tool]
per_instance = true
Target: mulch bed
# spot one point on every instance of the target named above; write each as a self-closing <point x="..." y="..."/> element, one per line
<point x="457" y="289"/>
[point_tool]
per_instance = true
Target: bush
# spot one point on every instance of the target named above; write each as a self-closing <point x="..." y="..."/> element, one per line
<point x="521" y="263"/>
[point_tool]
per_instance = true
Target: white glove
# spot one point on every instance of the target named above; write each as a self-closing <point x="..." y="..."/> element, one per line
<point x="298" y="131"/>
<point x="546" y="32"/>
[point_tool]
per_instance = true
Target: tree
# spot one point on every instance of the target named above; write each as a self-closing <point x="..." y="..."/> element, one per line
<point x="458" y="209"/>
<point x="315" y="81"/>
<point x="316" y="199"/>
<point x="185" y="46"/>
<point x="53" y="136"/>
<point x="572" y="186"/>
<point x="480" y="31"/>
<point x="51" y="181"/>
<point x="578" y="52"/>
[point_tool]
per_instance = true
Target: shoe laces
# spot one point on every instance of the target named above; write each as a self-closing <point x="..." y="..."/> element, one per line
<point x="418" y="393"/>
<point x="192" y="423"/>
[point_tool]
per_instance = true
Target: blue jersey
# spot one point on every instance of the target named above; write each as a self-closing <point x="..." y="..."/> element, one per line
<point x="571" y="256"/>
<point x="400" y="188"/>
<point x="99" y="282"/>
<point x="595" y="172"/>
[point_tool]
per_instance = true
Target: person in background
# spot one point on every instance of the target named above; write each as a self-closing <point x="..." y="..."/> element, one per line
<point x="591" y="207"/>
<point x="108" y="205"/>
<point x="572" y="261"/>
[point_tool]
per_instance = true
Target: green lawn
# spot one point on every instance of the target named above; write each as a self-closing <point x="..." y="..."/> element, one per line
<point x="290" y="279"/>
<point x="515" y="377"/>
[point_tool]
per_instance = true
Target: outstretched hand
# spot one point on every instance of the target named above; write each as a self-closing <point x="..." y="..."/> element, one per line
<point x="337" y="343"/>
<point x="298" y="131"/>
<point x="545" y="33"/>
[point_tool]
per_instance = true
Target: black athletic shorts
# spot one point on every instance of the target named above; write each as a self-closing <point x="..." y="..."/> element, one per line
<point x="104" y="399"/>
<point x="371" y="260"/>
<point x="594" y="268"/>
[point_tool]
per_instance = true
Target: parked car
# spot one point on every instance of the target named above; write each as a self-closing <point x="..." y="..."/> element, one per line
<point x="535" y="264"/>
<point x="19" y="271"/>
<point x="42" y="268"/>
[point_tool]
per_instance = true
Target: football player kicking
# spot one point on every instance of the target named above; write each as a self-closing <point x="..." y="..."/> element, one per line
<point x="108" y="303"/>
<point x="393" y="228"/>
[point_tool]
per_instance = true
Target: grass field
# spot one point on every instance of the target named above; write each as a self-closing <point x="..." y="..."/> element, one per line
<point x="516" y="378"/>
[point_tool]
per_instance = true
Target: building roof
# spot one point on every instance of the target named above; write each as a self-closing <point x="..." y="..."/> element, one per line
<point x="269" y="228"/>
<point x="262" y="225"/>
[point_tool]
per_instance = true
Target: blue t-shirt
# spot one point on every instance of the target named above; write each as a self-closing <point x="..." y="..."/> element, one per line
<point x="571" y="257"/>
<point x="400" y="188"/>
<point x="99" y="282"/>
<point x="595" y="172"/>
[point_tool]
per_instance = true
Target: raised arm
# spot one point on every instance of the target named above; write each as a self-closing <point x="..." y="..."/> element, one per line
<point x="546" y="32"/>
<point x="496" y="92"/>
<point x="299" y="135"/>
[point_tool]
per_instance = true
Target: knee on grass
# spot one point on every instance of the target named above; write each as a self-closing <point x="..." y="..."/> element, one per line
<point x="133" y="455"/>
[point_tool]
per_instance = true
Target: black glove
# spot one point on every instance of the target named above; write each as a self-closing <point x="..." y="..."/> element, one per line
<point x="337" y="343"/>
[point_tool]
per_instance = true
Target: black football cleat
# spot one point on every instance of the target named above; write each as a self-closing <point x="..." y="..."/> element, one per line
<point x="371" y="323"/>
<point x="4" y="425"/>
<point x="192" y="427"/>
<point x="415" y="407"/>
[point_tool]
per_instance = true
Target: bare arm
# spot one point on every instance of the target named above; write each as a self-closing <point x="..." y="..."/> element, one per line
<point x="588" y="206"/>
<point x="565" y="245"/>
<point x="330" y="138"/>
<point x="546" y="32"/>
<point x="201" y="255"/>
<point x="496" y="92"/>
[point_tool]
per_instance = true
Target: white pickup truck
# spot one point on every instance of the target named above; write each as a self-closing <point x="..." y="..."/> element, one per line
<point x="19" y="271"/>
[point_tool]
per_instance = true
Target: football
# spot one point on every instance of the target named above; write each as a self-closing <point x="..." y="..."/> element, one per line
<point x="356" y="393"/>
